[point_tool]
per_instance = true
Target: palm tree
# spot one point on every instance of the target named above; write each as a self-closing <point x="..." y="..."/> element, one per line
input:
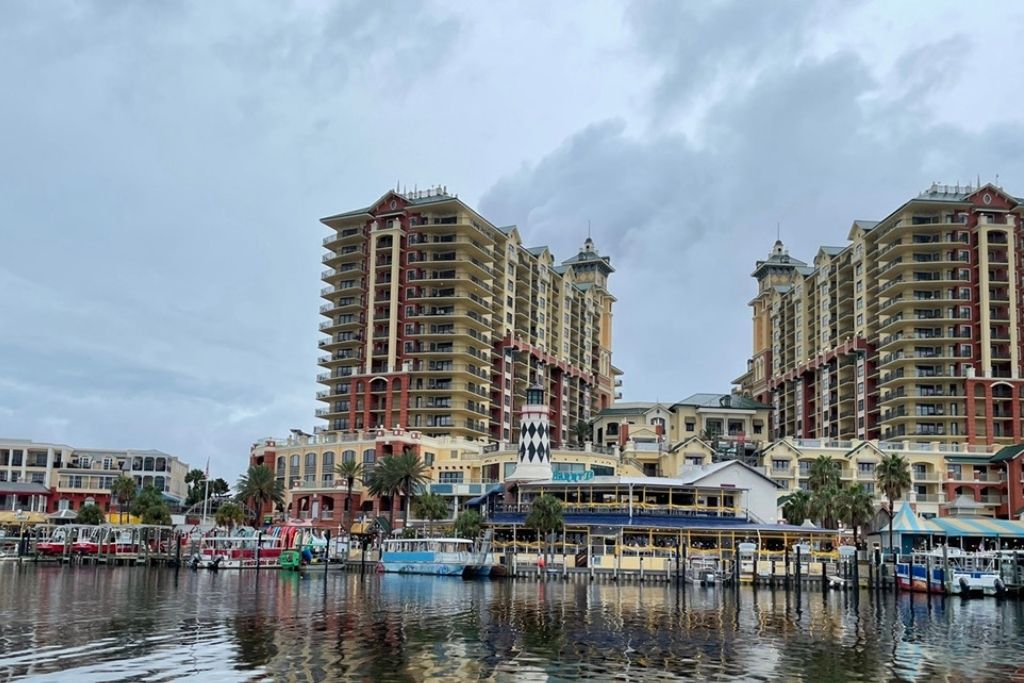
<point x="468" y="524"/>
<point x="382" y="483"/>
<point x="824" y="472"/>
<point x="229" y="515"/>
<point x="351" y="471"/>
<point x="582" y="431"/>
<point x="259" y="486"/>
<point x="409" y="473"/>
<point x="431" y="507"/>
<point x="856" y="507"/>
<point x="123" y="489"/>
<point x="796" y="506"/>
<point x="545" y="518"/>
<point x="825" y="505"/>
<point x="893" y="477"/>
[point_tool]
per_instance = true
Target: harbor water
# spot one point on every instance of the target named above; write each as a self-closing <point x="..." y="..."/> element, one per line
<point x="84" y="624"/>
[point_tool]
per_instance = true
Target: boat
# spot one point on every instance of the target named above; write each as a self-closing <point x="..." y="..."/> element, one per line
<point x="59" y="540"/>
<point x="438" y="556"/>
<point x="244" y="549"/>
<point x="969" y="574"/>
<point x="705" y="570"/>
<point x="290" y="560"/>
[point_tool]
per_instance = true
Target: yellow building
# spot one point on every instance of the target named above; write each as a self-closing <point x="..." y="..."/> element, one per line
<point x="437" y="320"/>
<point x="460" y="469"/>
<point x="940" y="473"/>
<point x="910" y="330"/>
<point x="663" y="437"/>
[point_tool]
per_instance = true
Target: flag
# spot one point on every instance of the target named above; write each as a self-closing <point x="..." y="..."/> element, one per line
<point x="207" y="467"/>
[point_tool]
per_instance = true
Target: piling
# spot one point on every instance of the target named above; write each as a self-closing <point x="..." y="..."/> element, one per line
<point x="259" y="546"/>
<point x="327" y="556"/>
<point x="797" y="567"/>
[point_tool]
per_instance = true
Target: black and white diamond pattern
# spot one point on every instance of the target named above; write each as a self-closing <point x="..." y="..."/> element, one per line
<point x="534" y="442"/>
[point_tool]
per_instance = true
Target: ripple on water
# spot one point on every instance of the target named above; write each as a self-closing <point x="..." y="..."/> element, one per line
<point x="132" y="624"/>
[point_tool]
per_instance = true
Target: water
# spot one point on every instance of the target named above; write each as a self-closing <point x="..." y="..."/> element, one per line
<point x="133" y="624"/>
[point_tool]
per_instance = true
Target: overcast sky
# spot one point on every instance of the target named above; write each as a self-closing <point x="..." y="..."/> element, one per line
<point x="164" y="166"/>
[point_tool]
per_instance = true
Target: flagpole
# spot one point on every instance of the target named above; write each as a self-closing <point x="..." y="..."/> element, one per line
<point x="206" y="491"/>
<point x="206" y="500"/>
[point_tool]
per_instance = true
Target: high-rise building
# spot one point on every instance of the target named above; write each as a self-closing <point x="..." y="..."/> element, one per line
<point x="909" y="332"/>
<point x="439" y="321"/>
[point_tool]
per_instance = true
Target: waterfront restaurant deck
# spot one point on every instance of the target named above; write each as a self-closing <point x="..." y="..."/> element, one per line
<point x="634" y="522"/>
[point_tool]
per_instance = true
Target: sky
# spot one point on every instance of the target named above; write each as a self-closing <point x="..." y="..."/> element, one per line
<point x="164" y="166"/>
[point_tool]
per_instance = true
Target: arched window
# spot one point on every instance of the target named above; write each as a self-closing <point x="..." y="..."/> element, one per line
<point x="158" y="483"/>
<point x="295" y="463"/>
<point x="328" y="464"/>
<point x="348" y="456"/>
<point x="148" y="466"/>
<point x="369" y="456"/>
<point x="310" y="463"/>
<point x="281" y="464"/>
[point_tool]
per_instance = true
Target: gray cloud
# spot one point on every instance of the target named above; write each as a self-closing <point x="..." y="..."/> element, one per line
<point x="164" y="166"/>
<point x="806" y="143"/>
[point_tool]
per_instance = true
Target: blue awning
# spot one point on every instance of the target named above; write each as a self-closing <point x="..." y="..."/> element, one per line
<point x="481" y="499"/>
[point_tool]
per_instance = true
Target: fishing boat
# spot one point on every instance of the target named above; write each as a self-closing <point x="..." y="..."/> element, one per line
<point x="439" y="556"/>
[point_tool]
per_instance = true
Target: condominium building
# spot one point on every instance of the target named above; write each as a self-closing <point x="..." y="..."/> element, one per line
<point x="943" y="476"/>
<point x="47" y="477"/>
<point x="909" y="331"/>
<point x="437" y="321"/>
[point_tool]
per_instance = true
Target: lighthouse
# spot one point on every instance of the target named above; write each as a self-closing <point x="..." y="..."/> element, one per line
<point x="534" y="439"/>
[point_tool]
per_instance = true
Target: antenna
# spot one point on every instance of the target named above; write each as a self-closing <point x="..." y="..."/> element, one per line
<point x="588" y="225"/>
<point x="778" y="230"/>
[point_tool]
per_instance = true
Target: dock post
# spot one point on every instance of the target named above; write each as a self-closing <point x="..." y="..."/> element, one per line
<point x="785" y="566"/>
<point x="928" y="575"/>
<point x="797" y="572"/>
<point x="895" y="583"/>
<point x="824" y="576"/>
<point x="259" y="546"/>
<point x="177" y="549"/>
<point x="327" y="556"/>
<point x="683" y="548"/>
<point x="947" y="583"/>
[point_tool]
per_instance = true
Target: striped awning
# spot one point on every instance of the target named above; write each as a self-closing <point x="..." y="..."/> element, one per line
<point x="907" y="522"/>
<point x="978" y="526"/>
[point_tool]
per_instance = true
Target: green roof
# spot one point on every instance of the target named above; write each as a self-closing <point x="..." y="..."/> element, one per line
<point x="1007" y="453"/>
<point x="735" y="402"/>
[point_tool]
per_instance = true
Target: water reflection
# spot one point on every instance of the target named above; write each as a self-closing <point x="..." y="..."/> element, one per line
<point x="99" y="624"/>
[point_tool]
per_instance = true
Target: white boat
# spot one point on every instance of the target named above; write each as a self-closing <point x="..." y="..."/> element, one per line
<point x="439" y="556"/>
<point x="237" y="552"/>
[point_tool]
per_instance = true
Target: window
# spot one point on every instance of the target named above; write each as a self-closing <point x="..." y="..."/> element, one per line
<point x="328" y="464"/>
<point x="780" y="464"/>
<point x="348" y="456"/>
<point x="369" y="456"/>
<point x="451" y="477"/>
<point x="865" y="467"/>
<point x="428" y="459"/>
<point x="691" y="425"/>
<point x="613" y="429"/>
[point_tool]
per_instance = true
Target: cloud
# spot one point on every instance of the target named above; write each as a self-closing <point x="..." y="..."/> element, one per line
<point x="805" y="143"/>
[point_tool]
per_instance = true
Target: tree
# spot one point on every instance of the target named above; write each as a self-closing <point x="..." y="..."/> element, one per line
<point x="219" y="487"/>
<point x="431" y="507"/>
<point x="381" y="483"/>
<point x="400" y="475"/>
<point x="825" y="505"/>
<point x="259" y="486"/>
<point x="582" y="431"/>
<point x="123" y="489"/>
<point x="468" y="524"/>
<point x="195" y="479"/>
<point x="230" y="515"/>
<point x="824" y="473"/>
<point x="350" y="471"/>
<point x="545" y="518"/>
<point x="90" y="514"/>
<point x="149" y="506"/>
<point x="856" y="507"/>
<point x="892" y="475"/>
<point x="797" y="506"/>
